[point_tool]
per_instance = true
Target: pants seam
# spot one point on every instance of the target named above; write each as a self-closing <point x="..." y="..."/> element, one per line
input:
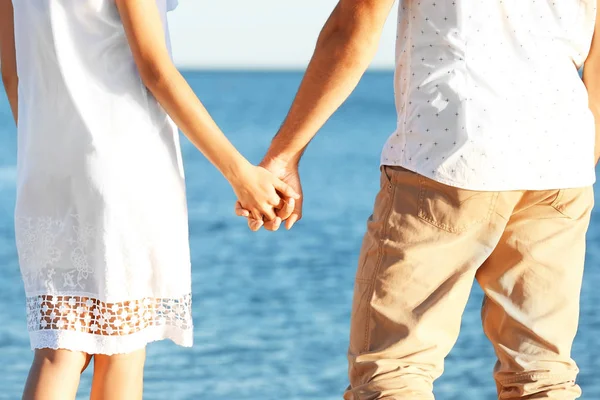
<point x="371" y="283"/>
<point x="366" y="281"/>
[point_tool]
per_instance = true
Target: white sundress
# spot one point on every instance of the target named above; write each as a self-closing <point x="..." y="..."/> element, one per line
<point x="101" y="215"/>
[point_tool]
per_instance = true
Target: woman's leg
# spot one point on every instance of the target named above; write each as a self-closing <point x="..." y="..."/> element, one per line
<point x="54" y="374"/>
<point x="118" y="377"/>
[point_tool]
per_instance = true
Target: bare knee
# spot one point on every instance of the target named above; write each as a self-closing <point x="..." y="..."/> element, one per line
<point x="61" y="359"/>
<point x="119" y="376"/>
<point x="54" y="374"/>
<point x="123" y="365"/>
<point x="136" y="358"/>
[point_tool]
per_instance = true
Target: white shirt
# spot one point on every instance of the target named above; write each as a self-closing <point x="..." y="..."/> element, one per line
<point x="488" y="93"/>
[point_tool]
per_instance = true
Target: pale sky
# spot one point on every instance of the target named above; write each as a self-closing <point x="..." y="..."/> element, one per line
<point x="256" y="33"/>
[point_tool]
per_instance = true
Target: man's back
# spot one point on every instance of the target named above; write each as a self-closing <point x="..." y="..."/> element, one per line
<point x="489" y="96"/>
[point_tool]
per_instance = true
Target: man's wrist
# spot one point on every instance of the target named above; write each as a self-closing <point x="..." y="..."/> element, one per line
<point x="282" y="153"/>
<point x="283" y="159"/>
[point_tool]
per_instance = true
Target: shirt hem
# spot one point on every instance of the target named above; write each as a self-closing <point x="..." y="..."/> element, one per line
<point x="446" y="180"/>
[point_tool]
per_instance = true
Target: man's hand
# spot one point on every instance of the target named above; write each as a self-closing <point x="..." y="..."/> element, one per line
<point x="289" y="210"/>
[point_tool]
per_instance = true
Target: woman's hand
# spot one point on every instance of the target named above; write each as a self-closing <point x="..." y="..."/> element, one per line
<point x="291" y="209"/>
<point x="260" y="192"/>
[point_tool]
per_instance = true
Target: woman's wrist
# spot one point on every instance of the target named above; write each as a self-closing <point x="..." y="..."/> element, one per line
<point x="235" y="170"/>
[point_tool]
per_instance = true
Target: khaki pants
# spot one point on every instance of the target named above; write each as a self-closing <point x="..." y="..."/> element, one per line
<point x="426" y="243"/>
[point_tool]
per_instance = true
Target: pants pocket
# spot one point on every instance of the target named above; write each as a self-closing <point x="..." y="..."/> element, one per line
<point x="452" y="209"/>
<point x="574" y="203"/>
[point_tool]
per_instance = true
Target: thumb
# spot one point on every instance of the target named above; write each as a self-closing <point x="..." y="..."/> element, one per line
<point x="285" y="189"/>
<point x="286" y="209"/>
<point x="240" y="211"/>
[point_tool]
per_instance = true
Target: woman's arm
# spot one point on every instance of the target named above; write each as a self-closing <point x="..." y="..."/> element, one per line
<point x="8" y="58"/>
<point x="591" y="79"/>
<point x="146" y="35"/>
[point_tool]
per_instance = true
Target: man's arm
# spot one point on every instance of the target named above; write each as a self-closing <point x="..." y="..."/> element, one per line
<point x="8" y="59"/>
<point x="591" y="79"/>
<point x="345" y="48"/>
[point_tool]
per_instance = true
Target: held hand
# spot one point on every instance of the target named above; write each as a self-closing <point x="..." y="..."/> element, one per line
<point x="290" y="208"/>
<point x="259" y="192"/>
<point x="283" y="211"/>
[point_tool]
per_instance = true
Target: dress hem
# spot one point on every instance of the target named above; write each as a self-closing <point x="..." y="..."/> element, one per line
<point x="109" y="345"/>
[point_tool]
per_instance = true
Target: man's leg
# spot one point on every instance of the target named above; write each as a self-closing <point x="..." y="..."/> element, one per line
<point x="532" y="283"/>
<point x="423" y="246"/>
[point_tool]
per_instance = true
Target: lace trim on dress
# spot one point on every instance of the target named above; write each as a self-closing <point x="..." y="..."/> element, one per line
<point x="89" y="316"/>
<point x="45" y="242"/>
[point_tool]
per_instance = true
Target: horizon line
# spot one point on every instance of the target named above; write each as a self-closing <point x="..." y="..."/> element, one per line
<point x="251" y="68"/>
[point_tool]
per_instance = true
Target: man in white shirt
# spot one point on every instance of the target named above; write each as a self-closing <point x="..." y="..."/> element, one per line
<point x="488" y="176"/>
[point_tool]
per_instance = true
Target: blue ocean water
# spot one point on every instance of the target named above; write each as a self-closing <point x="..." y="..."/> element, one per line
<point x="272" y="310"/>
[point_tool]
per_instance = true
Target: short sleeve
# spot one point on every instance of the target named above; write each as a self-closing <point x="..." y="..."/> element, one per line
<point x="172" y="4"/>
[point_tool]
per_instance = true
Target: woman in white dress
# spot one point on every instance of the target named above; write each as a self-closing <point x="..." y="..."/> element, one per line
<point x="101" y="219"/>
